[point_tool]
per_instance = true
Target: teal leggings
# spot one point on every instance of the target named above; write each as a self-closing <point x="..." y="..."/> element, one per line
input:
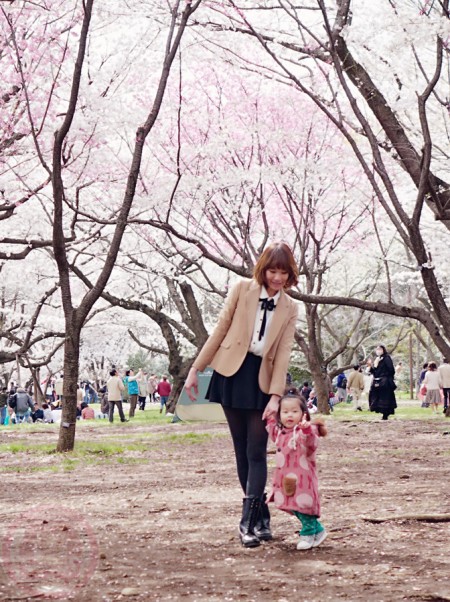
<point x="310" y="524"/>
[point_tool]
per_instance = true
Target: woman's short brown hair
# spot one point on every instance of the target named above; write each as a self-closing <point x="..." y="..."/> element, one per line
<point x="276" y="256"/>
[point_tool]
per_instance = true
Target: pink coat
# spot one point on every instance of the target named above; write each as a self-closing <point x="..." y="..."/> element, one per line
<point x="295" y="483"/>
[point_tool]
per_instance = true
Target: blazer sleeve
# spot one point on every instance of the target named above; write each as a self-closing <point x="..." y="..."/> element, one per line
<point x="283" y="354"/>
<point x="211" y="346"/>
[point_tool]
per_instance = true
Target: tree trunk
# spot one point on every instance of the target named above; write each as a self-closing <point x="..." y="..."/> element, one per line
<point x="179" y="375"/>
<point x="320" y="385"/>
<point x="66" y="439"/>
<point x="315" y="360"/>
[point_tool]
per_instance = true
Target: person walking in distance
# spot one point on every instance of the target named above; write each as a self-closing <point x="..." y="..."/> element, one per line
<point x="432" y="382"/>
<point x="163" y="389"/>
<point x="444" y="374"/>
<point x="115" y="388"/>
<point x="355" y="385"/>
<point x="249" y="350"/>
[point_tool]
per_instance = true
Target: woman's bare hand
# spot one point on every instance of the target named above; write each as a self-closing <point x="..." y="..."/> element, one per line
<point x="271" y="407"/>
<point x="192" y="384"/>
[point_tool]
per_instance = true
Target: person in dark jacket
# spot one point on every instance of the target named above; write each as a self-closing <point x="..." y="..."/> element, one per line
<point x="22" y="404"/>
<point x="381" y="394"/>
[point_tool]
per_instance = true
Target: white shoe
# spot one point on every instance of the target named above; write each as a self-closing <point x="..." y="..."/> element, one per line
<point x="306" y="542"/>
<point x="319" y="538"/>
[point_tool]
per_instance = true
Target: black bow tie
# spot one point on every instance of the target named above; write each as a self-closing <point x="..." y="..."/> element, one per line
<point x="267" y="305"/>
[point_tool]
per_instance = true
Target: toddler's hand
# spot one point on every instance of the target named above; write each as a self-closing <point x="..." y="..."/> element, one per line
<point x="305" y="423"/>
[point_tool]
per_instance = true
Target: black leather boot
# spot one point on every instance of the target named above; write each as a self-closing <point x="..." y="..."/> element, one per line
<point x="250" y="512"/>
<point x="262" y="527"/>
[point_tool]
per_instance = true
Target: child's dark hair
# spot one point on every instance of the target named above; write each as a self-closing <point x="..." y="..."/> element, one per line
<point x="293" y="393"/>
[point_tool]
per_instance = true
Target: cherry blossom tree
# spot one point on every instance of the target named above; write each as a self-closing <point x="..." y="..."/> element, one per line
<point x="72" y="158"/>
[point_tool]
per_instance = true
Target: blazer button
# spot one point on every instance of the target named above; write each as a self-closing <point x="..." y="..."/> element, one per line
<point x="239" y="342"/>
<point x="270" y="358"/>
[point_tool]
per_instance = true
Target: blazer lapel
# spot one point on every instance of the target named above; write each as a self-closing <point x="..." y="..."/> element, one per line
<point x="279" y="316"/>
<point x="252" y="300"/>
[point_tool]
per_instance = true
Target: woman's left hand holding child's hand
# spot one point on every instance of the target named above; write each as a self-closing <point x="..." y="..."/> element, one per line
<point x="272" y="407"/>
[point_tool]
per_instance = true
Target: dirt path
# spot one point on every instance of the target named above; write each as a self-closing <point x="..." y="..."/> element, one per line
<point x="158" y="521"/>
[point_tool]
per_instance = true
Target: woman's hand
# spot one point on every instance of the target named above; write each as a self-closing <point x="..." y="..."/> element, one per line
<point x="271" y="407"/>
<point x="192" y="383"/>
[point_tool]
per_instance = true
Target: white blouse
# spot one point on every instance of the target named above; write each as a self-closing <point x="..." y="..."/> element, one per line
<point x="256" y="345"/>
<point x="432" y="380"/>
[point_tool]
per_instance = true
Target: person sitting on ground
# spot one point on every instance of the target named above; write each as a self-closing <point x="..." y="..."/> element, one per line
<point x="38" y="413"/>
<point x="47" y="413"/>
<point x="87" y="413"/>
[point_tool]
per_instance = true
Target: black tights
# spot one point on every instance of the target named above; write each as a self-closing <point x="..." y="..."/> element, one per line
<point x="248" y="431"/>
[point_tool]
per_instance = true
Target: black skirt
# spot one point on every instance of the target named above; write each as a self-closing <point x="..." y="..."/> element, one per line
<point x="241" y="390"/>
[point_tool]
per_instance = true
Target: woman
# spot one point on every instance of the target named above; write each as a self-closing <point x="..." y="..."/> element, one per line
<point x="381" y="394"/>
<point x="433" y="384"/>
<point x="249" y="351"/>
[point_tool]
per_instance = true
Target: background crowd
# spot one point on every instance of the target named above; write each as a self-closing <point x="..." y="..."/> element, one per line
<point x="19" y="404"/>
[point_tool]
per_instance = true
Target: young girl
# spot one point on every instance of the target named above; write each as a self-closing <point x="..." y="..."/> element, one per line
<point x="295" y="484"/>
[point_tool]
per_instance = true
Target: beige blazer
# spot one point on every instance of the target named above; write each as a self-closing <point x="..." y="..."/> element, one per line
<point x="226" y="348"/>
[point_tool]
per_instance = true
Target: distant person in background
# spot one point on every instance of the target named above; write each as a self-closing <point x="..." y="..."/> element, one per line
<point x="164" y="388"/>
<point x="37" y="414"/>
<point x="59" y="384"/>
<point x="152" y="385"/>
<point x="382" y="395"/>
<point x="432" y="382"/>
<point x="87" y="413"/>
<point x="143" y="390"/>
<point x="444" y="373"/>
<point x="22" y="404"/>
<point x="47" y="413"/>
<point x="3" y="405"/>
<point x="306" y="390"/>
<point x="341" y="385"/>
<point x="420" y="381"/>
<point x="355" y="386"/>
<point x="79" y="395"/>
<point x="132" y="384"/>
<point x="115" y="388"/>
<point x="49" y="392"/>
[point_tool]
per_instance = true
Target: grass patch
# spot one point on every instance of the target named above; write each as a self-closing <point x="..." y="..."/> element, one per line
<point x="406" y="410"/>
<point x="189" y="438"/>
<point x="18" y="447"/>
